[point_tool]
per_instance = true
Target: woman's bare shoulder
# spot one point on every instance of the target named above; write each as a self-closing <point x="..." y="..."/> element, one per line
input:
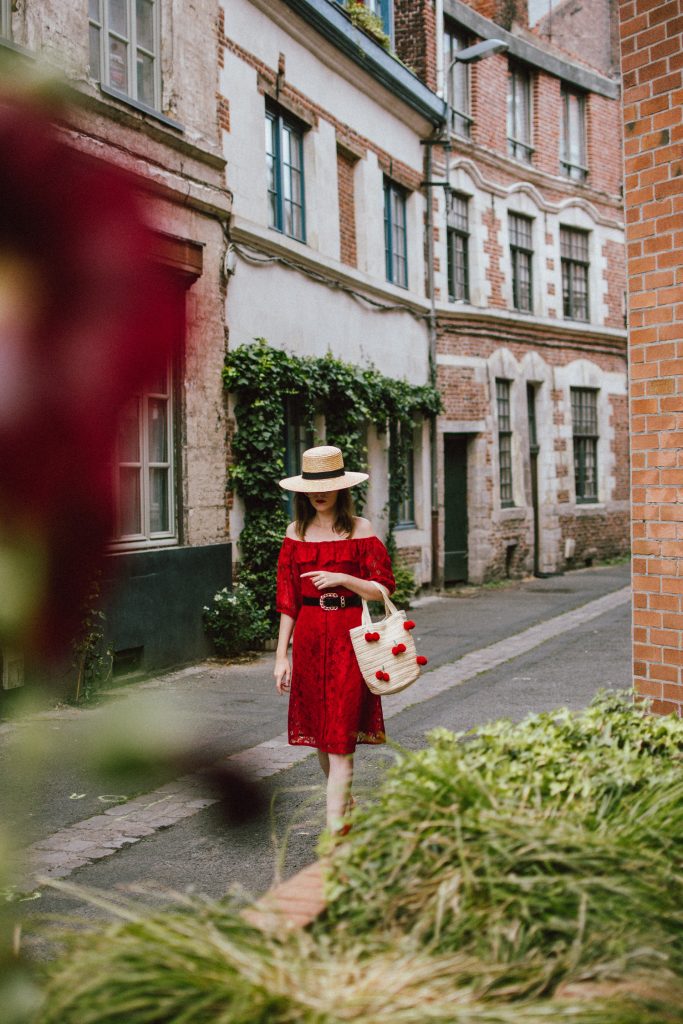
<point x="362" y="528"/>
<point x="291" y="532"/>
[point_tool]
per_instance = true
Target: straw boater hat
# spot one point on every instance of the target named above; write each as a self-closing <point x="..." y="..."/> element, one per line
<point x="322" y="469"/>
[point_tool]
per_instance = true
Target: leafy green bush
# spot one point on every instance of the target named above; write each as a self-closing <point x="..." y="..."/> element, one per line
<point x="547" y="846"/>
<point x="362" y="17"/>
<point x="405" y="586"/>
<point x="235" y="622"/>
<point x="204" y="965"/>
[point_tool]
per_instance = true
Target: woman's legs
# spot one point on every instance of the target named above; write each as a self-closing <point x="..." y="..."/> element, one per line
<point x="338" y="788"/>
<point x="324" y="759"/>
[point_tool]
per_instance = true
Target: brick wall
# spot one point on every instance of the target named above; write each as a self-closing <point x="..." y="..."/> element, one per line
<point x="603" y="131"/>
<point x="489" y="103"/>
<point x="547" y="112"/>
<point x="586" y="28"/>
<point x="651" y="44"/>
<point x="347" y="208"/>
<point x="614" y="275"/>
<point x="415" y="37"/>
<point x="503" y="12"/>
<point x="494" y="252"/>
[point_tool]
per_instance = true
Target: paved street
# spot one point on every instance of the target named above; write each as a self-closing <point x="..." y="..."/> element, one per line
<point x="493" y="652"/>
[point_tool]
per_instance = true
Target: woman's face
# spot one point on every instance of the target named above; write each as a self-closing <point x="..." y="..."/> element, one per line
<point x="323" y="501"/>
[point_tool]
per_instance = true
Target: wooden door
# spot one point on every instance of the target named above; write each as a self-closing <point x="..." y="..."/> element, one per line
<point x="455" y="494"/>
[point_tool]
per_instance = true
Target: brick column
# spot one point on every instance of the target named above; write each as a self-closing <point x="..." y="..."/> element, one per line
<point x="651" y="46"/>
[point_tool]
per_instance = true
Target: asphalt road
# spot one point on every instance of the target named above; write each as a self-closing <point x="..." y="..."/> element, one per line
<point x="235" y="708"/>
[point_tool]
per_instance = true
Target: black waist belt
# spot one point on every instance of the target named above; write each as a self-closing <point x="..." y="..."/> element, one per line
<point x="333" y="602"/>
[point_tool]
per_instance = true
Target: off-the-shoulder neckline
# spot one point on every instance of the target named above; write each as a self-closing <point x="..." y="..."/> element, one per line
<point x="342" y="540"/>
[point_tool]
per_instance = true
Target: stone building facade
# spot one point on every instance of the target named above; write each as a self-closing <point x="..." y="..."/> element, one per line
<point x="533" y="374"/>
<point x="327" y="232"/>
<point x="146" y="98"/>
<point x="514" y="293"/>
<point x="652" y="66"/>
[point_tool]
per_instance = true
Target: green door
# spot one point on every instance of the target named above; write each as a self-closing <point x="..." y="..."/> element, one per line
<point x="455" y="490"/>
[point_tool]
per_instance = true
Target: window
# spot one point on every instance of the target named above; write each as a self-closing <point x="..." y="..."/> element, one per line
<point x="124" y="48"/>
<point x="384" y="11"/>
<point x="573" y="135"/>
<point x="404" y="513"/>
<point x="503" y="388"/>
<point x="457" y="82"/>
<point x="395" y="240"/>
<point x="144" y="484"/>
<point x="458" y="242"/>
<point x="285" y="167"/>
<point x="298" y="437"/>
<point x="521" y="253"/>
<point x="5" y="19"/>
<point x="585" y="431"/>
<point x="574" y="258"/>
<point x="519" y="113"/>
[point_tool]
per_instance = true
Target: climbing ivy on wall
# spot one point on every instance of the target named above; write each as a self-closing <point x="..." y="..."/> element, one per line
<point x="263" y="381"/>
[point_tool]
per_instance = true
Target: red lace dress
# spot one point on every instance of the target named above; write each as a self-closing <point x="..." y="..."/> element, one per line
<point x="330" y="707"/>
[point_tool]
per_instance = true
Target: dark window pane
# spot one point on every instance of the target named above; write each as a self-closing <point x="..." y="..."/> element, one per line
<point x="395" y="239"/>
<point x="158" y="501"/>
<point x="130" y="507"/>
<point x="128" y="439"/>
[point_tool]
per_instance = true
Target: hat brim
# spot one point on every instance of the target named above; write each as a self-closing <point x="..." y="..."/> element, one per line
<point x="335" y="483"/>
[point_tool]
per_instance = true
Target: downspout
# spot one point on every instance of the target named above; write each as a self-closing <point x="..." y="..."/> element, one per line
<point x="429" y="220"/>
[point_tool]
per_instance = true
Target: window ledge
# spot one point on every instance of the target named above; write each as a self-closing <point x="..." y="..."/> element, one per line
<point x="123" y="97"/>
<point x="513" y="512"/>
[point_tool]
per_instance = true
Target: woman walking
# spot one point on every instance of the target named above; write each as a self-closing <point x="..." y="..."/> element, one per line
<point x="327" y="561"/>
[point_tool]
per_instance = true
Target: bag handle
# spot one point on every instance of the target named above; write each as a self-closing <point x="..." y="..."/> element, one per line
<point x="389" y="607"/>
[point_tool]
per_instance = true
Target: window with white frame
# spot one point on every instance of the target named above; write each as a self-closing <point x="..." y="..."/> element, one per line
<point x="458" y="241"/>
<point x="521" y="257"/>
<point x="395" y="234"/>
<point x="457" y="80"/>
<point x="403" y="442"/>
<point x="519" y="113"/>
<point x="573" y="134"/>
<point x="125" y="48"/>
<point x="6" y="19"/>
<point x="144" y="470"/>
<point x="503" y="391"/>
<point x="585" y="436"/>
<point x="575" y="266"/>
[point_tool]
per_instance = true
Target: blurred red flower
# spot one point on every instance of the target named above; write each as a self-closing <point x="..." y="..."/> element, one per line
<point x="85" y="319"/>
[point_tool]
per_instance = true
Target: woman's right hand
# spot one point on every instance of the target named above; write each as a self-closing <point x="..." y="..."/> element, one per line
<point x="282" y="673"/>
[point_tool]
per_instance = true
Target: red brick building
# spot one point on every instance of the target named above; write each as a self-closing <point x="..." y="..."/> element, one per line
<point x="652" y="63"/>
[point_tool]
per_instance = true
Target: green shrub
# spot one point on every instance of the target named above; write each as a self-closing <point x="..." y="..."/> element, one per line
<point x="365" y="19"/>
<point x="235" y="622"/>
<point x="405" y="586"/>
<point x="547" y="846"/>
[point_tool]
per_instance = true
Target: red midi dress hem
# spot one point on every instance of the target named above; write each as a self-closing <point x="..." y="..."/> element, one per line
<point x="330" y="706"/>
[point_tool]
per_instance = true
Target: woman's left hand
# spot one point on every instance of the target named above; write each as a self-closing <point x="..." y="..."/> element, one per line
<point x="325" y="580"/>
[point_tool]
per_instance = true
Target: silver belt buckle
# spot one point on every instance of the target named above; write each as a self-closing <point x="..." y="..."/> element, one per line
<point x="332" y="607"/>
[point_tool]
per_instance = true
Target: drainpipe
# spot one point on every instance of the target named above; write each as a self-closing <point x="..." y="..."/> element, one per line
<point x="436" y="575"/>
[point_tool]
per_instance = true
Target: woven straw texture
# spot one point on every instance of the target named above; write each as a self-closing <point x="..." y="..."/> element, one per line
<point x="376" y="655"/>
<point x="324" y="458"/>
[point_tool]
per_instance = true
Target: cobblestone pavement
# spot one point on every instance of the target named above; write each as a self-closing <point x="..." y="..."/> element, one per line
<point x="100" y="836"/>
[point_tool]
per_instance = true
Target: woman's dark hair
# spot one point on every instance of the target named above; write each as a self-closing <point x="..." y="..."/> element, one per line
<point x="344" y="512"/>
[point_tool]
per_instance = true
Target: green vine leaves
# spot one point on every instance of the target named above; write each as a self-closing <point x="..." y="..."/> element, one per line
<point x="269" y="386"/>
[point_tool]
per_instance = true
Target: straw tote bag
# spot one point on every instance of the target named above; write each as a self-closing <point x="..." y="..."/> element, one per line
<point x="386" y="650"/>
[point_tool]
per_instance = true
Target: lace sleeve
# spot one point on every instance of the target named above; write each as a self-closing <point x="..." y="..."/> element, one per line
<point x="287" y="598"/>
<point x="376" y="564"/>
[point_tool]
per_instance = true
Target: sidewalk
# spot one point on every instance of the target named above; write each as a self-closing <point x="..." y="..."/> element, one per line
<point x="233" y="712"/>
